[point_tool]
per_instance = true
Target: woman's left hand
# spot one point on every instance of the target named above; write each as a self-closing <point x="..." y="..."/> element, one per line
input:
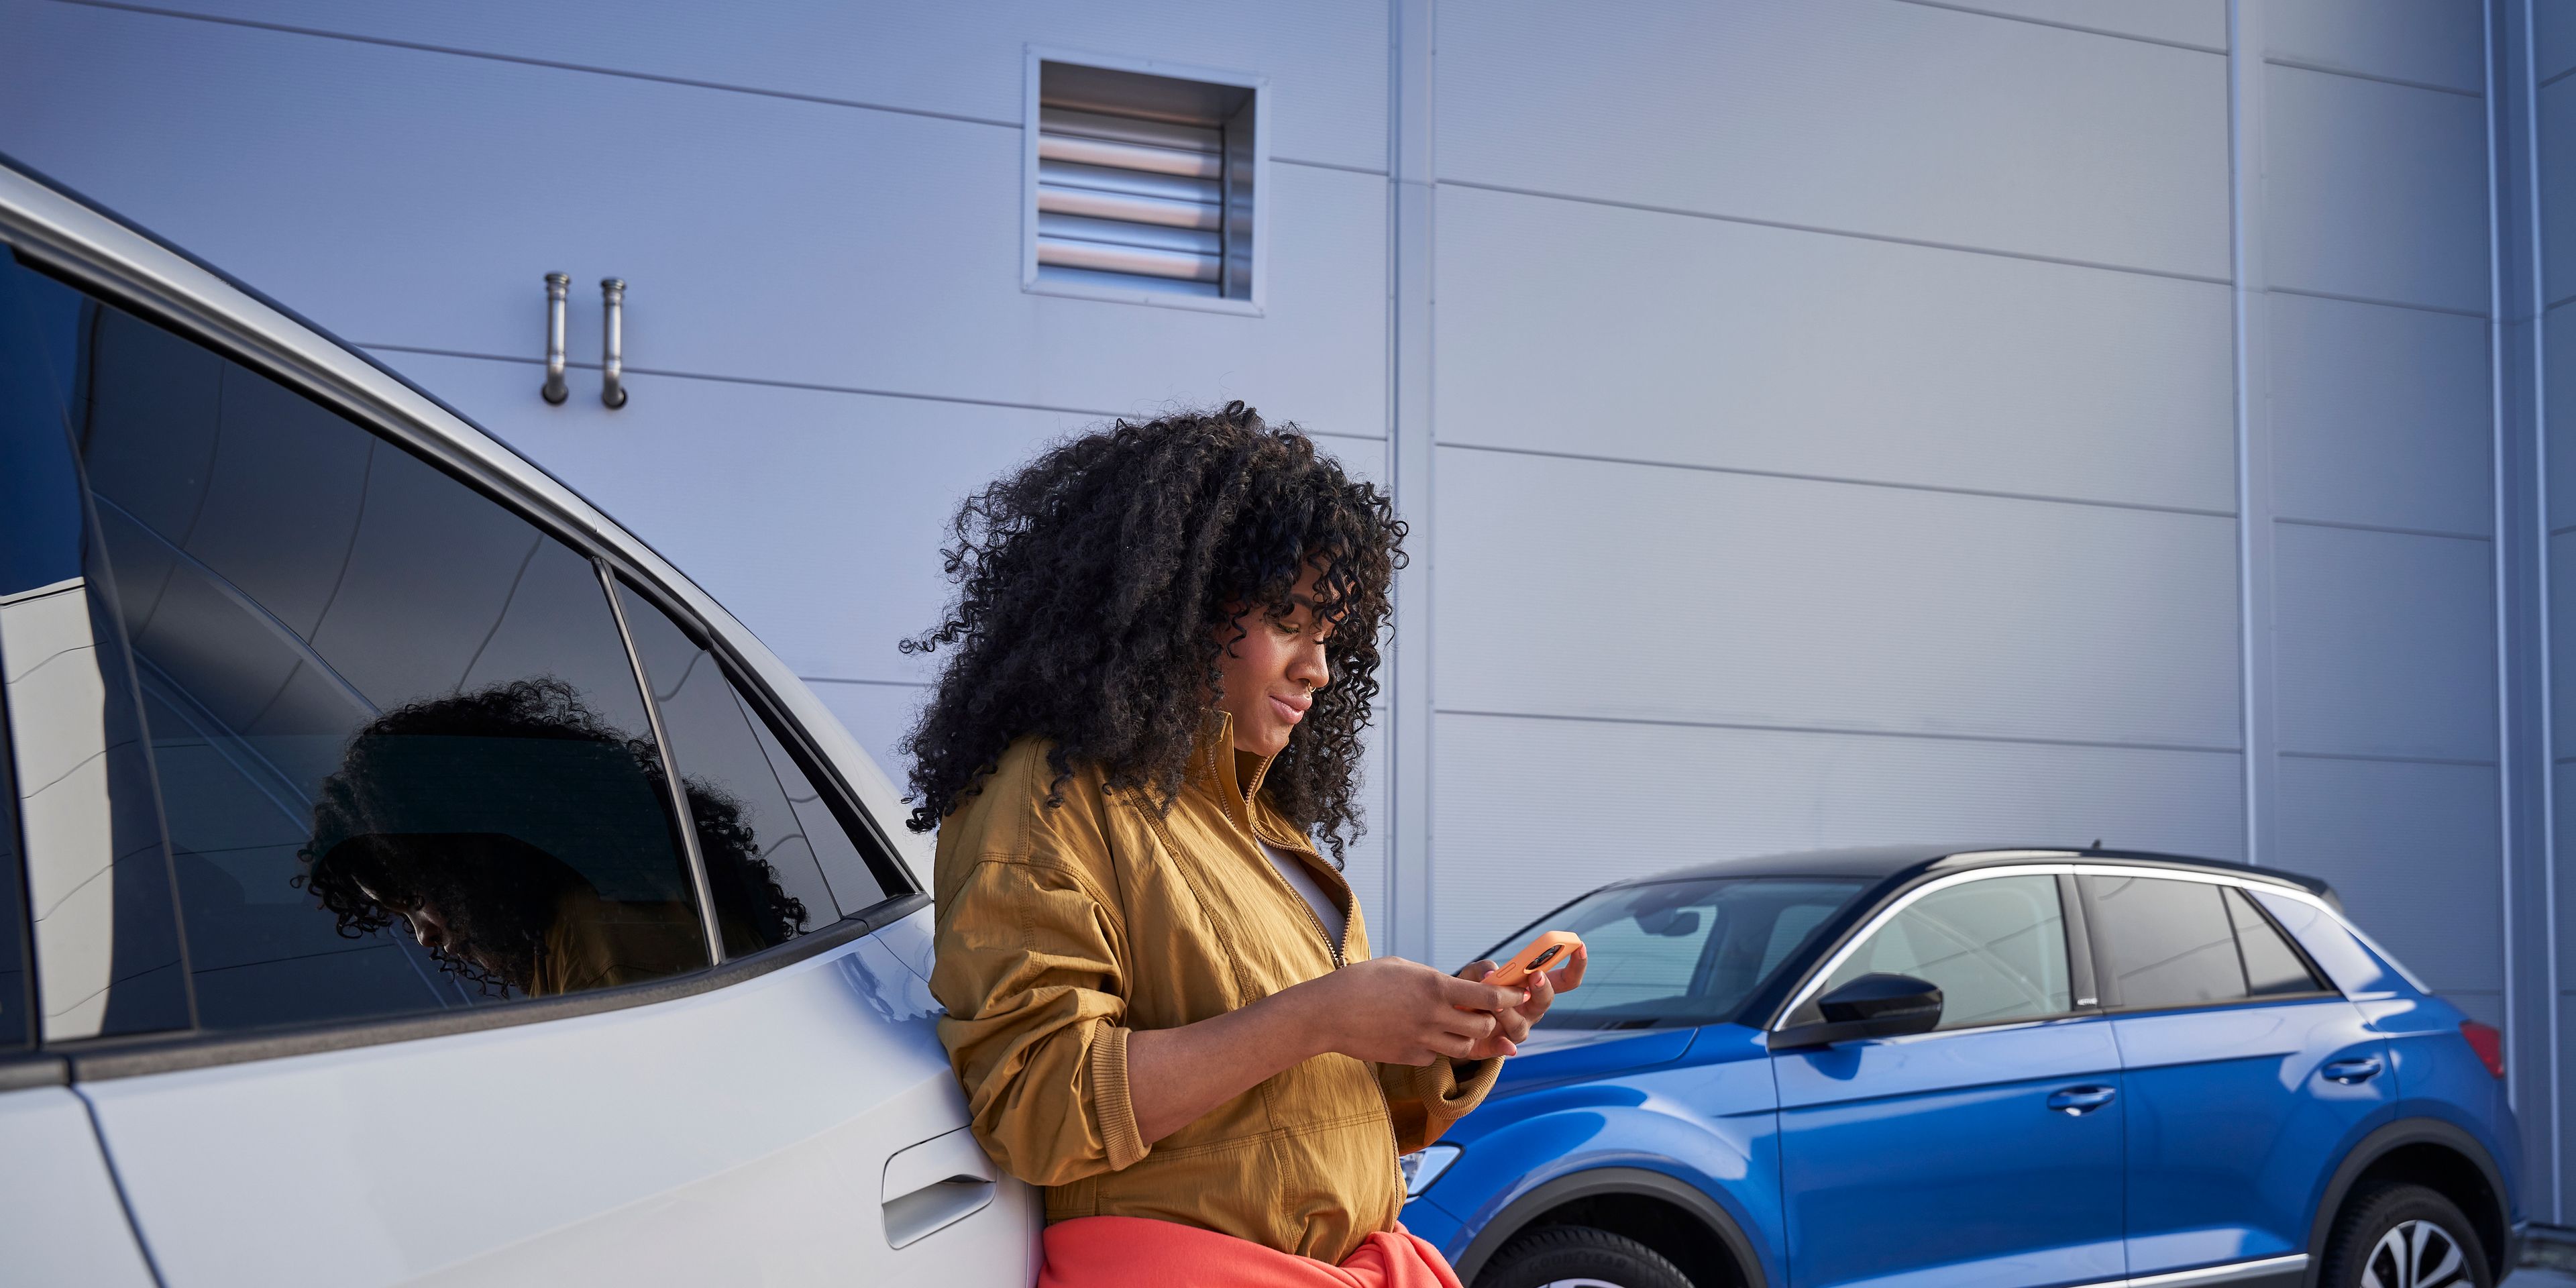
<point x="1516" y="1021"/>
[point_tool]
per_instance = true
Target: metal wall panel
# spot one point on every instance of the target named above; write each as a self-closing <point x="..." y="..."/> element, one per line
<point x="1328" y="56"/>
<point x="2375" y="191"/>
<point x="2199" y="23"/>
<point x="815" y="517"/>
<point x="2554" y="38"/>
<point x="1898" y="120"/>
<point x="2562" y="634"/>
<point x="2558" y="376"/>
<point x="2429" y="42"/>
<point x="2415" y="852"/>
<point x="2386" y="644"/>
<point x="2557" y="179"/>
<point x="411" y="198"/>
<point x="1593" y="589"/>
<point x="1530" y="813"/>
<point x="878" y="715"/>
<point x="2562" y="782"/>
<point x="2381" y="415"/>
<point x="1571" y="326"/>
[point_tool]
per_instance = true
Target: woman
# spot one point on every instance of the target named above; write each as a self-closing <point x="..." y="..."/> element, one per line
<point x="1160" y="996"/>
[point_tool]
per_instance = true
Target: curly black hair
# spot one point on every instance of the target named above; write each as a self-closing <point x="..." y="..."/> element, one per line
<point x="498" y="892"/>
<point x="1095" y="586"/>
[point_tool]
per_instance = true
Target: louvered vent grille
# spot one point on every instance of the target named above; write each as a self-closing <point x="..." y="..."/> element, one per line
<point x="1143" y="183"/>
<point x="1125" y="195"/>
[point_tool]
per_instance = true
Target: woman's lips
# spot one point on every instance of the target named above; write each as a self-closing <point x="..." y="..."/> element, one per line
<point x="1289" y="709"/>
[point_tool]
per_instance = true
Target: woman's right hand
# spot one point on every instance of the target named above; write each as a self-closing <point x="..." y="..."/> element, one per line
<point x="1391" y="1011"/>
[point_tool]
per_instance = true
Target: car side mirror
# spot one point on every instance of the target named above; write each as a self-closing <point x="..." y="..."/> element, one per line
<point x="1873" y="1006"/>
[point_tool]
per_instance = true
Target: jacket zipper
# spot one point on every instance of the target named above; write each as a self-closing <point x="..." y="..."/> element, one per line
<point x="1331" y="948"/>
<point x="1394" y="1144"/>
<point x="1321" y="930"/>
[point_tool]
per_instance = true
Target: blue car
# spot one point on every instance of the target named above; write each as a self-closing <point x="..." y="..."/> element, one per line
<point x="1931" y="1068"/>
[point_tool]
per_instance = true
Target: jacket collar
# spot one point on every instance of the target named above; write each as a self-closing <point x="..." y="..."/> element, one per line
<point x="1234" y="778"/>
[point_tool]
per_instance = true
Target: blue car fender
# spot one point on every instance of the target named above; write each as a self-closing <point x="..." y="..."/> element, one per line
<point x="1600" y="1139"/>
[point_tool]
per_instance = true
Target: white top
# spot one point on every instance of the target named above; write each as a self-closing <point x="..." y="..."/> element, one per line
<point x="1304" y="883"/>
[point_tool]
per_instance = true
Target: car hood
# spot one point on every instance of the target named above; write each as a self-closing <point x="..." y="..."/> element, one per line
<point x="1552" y="1056"/>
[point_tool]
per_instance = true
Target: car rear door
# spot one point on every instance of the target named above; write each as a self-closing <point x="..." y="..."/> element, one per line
<point x="427" y="893"/>
<point x="1984" y="1153"/>
<point x="2248" y="1075"/>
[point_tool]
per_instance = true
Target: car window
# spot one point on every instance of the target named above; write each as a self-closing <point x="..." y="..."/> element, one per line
<point x="780" y="863"/>
<point x="1685" y="952"/>
<point x="402" y="756"/>
<point x="2173" y="943"/>
<point x="1996" y="947"/>
<point x="106" y="953"/>
<point x="2272" y="967"/>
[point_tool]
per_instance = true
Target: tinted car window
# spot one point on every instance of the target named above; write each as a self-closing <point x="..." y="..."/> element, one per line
<point x="1685" y="952"/>
<point x="98" y="883"/>
<point x="403" y="758"/>
<point x="2272" y="967"/>
<point x="2166" y="943"/>
<point x="779" y="862"/>
<point x="1996" y="947"/>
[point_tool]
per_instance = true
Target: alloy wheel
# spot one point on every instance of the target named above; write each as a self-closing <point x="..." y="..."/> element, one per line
<point x="2416" y="1254"/>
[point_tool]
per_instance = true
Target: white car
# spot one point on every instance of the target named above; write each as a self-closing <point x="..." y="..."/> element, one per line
<point x="360" y="940"/>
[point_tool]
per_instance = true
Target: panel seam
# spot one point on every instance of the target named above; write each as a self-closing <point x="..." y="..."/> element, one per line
<point x="1749" y="726"/>
<point x="805" y="385"/>
<point x="2068" y="26"/>
<point x="1944" y="489"/>
<point x="2328" y="69"/>
<point x="1819" y="229"/>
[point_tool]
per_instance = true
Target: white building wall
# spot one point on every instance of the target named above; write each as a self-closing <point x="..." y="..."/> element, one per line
<point x="1823" y="422"/>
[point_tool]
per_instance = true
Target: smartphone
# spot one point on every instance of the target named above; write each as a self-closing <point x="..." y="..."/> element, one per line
<point x="1550" y="949"/>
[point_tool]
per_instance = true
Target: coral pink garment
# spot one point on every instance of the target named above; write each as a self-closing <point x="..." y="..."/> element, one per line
<point x="1133" y="1252"/>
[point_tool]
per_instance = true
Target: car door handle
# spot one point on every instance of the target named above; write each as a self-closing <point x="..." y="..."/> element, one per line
<point x="935" y="1184"/>
<point x="2349" y="1072"/>
<point x="2075" y="1101"/>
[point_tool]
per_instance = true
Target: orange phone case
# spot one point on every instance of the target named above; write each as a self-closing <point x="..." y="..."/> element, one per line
<point x="1545" y="952"/>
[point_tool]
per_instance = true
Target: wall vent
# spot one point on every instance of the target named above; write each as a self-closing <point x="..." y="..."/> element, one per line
<point x="1143" y="184"/>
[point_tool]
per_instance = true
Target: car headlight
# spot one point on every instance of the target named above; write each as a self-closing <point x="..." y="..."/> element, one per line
<point x="1423" y="1166"/>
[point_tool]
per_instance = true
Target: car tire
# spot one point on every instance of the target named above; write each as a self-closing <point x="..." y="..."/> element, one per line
<point x="2404" y="1236"/>
<point x="1579" y="1255"/>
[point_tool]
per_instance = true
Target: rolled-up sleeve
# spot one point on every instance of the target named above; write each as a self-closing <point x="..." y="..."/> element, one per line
<point x="1425" y="1100"/>
<point x="1028" y="969"/>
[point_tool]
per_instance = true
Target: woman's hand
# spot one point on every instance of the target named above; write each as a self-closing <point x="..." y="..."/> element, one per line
<point x="1392" y="1011"/>
<point x="1513" y="1024"/>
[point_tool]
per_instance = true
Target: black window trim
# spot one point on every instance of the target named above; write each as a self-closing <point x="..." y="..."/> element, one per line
<point x="90" y="1059"/>
<point x="864" y="829"/>
<point x="2111" y="1003"/>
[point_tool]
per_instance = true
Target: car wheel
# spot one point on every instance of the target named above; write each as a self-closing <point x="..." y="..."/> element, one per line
<point x="2404" y="1236"/>
<point x="1578" y="1256"/>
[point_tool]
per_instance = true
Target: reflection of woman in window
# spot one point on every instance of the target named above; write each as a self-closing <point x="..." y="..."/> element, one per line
<point x="1159" y="993"/>
<point x="523" y="842"/>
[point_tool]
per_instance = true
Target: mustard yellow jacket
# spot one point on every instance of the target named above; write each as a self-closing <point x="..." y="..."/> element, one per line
<point x="1061" y="930"/>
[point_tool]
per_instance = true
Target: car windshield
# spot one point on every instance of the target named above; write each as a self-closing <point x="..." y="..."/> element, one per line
<point x="1685" y="952"/>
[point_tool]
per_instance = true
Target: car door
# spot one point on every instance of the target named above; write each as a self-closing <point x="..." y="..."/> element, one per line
<point x="1985" y="1152"/>
<point x="2247" y="1074"/>
<point x="434" y="897"/>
